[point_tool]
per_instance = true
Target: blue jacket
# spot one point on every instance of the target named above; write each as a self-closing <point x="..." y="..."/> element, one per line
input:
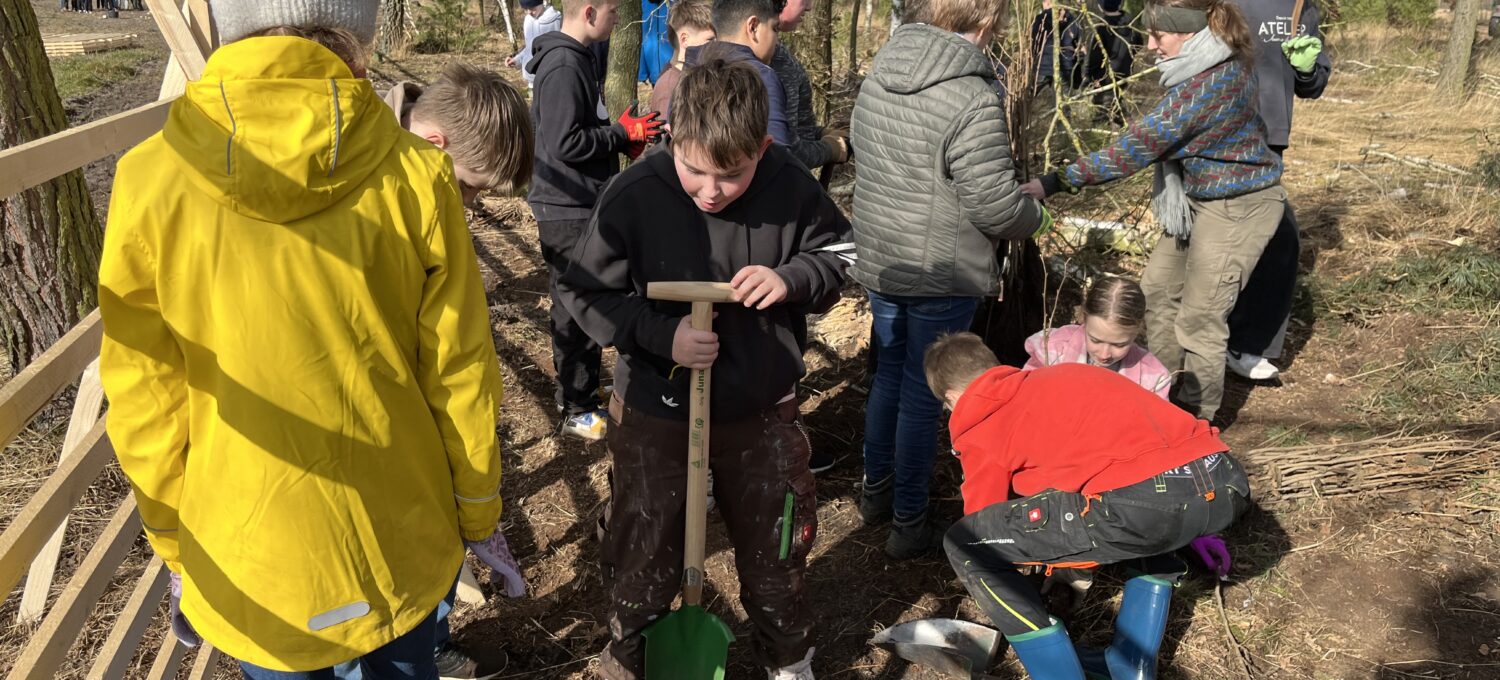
<point x="656" y="48"/>
<point x="779" y="129"/>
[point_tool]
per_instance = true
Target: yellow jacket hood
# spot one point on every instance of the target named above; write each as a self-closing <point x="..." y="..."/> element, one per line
<point x="277" y="130"/>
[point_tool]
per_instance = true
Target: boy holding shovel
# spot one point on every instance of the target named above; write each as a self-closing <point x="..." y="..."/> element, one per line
<point x="720" y="204"/>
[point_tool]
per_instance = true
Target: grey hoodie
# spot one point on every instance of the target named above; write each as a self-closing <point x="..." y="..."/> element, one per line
<point x="935" y="190"/>
<point x="1270" y="25"/>
<point x="534" y="27"/>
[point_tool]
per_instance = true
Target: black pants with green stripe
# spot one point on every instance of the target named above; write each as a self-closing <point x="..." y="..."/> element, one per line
<point x="766" y="498"/>
<point x="1141" y="524"/>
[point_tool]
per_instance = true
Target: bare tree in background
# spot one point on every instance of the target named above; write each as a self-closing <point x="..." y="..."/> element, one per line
<point x="1005" y="321"/>
<point x="853" y="65"/>
<point x="49" y="256"/>
<point x="1454" y="75"/>
<point x="1048" y="126"/>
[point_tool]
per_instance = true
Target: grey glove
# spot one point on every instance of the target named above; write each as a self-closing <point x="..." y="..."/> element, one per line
<point x="180" y="625"/>
<point x="495" y="552"/>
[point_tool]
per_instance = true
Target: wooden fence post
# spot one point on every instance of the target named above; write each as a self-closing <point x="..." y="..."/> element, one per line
<point x="31" y="527"/>
<point x="168" y="659"/>
<point x="204" y="662"/>
<point x="85" y="415"/>
<point x="49" y="644"/>
<point x="119" y="648"/>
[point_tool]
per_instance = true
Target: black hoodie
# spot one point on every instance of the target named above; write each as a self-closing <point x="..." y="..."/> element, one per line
<point x="647" y="228"/>
<point x="577" y="146"/>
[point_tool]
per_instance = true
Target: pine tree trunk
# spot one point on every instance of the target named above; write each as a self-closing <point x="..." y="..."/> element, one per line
<point x="1455" y="72"/>
<point x="624" y="59"/>
<point x="49" y="256"/>
<point x="395" y="26"/>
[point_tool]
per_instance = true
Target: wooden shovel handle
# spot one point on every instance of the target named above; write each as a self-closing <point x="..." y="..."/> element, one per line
<point x="697" y="479"/>
<point x="1297" y="16"/>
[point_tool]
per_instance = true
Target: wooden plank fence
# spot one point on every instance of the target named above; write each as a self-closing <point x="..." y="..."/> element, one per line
<point x="32" y="542"/>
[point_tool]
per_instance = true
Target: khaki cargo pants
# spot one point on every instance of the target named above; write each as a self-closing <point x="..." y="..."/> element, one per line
<point x="1191" y="288"/>
<point x="766" y="497"/>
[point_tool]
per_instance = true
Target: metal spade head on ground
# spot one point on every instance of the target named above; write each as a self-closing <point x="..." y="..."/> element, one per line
<point x="690" y="643"/>
<point x="957" y="649"/>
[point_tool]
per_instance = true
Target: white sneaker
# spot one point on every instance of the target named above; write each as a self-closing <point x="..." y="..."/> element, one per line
<point x="1252" y="366"/>
<point x="802" y="670"/>
<point x="591" y="426"/>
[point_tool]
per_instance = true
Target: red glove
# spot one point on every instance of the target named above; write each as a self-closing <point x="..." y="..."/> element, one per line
<point x="640" y="129"/>
<point x="634" y="150"/>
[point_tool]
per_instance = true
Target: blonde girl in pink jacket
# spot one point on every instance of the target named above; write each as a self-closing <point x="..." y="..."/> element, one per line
<point x="1114" y="312"/>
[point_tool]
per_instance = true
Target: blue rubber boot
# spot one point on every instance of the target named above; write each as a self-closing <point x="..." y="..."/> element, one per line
<point x="1139" y="628"/>
<point x="1095" y="667"/>
<point x="1048" y="653"/>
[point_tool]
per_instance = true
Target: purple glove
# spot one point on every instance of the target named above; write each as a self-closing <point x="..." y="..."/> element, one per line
<point x="495" y="552"/>
<point x="1213" y="553"/>
<point x="180" y="626"/>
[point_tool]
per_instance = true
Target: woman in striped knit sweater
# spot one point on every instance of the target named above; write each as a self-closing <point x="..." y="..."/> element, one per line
<point x="1217" y="192"/>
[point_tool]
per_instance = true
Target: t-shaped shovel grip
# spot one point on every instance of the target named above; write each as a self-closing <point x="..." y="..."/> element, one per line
<point x="703" y="295"/>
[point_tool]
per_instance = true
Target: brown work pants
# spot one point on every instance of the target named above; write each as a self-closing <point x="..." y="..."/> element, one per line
<point x="1191" y="288"/>
<point x="764" y="493"/>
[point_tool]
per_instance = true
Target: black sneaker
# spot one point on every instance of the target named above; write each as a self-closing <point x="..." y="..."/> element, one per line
<point x="453" y="664"/>
<point x="910" y="539"/>
<point x="821" y="461"/>
<point x="875" y="501"/>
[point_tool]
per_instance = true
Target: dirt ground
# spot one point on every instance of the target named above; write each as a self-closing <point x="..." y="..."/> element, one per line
<point x="1381" y="587"/>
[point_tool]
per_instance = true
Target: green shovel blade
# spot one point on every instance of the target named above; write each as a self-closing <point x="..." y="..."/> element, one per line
<point x="688" y="644"/>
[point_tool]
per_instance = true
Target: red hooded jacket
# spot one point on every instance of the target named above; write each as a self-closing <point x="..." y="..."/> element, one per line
<point x="1070" y="427"/>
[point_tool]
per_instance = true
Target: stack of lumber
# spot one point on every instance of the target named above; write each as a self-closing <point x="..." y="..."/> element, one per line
<point x="68" y="44"/>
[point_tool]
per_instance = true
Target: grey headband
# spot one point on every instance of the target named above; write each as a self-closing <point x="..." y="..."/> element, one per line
<point x="1168" y="19"/>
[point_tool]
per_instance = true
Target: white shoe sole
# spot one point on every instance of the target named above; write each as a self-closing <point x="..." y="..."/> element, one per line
<point x="1262" y="370"/>
<point x="587" y="435"/>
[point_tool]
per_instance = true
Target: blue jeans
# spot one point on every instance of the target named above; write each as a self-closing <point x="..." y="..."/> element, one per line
<point x="408" y="657"/>
<point x="901" y="416"/>
<point x="405" y="657"/>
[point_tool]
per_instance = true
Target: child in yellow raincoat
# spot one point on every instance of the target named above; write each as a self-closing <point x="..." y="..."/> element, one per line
<point x="297" y="353"/>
